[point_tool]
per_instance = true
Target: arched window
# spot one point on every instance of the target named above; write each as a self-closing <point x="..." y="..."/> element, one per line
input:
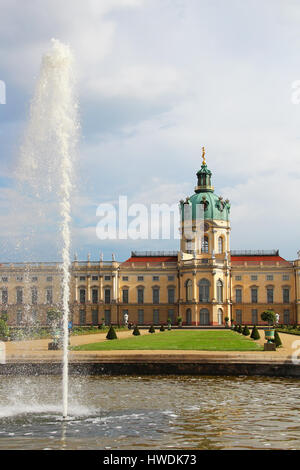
<point x="219" y="291"/>
<point x="188" y="287"/>
<point x="220" y="316"/>
<point x="204" y="290"/>
<point x="204" y="247"/>
<point x="220" y="245"/>
<point x="188" y="316"/>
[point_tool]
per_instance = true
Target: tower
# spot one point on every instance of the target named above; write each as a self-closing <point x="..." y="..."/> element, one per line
<point x="205" y="253"/>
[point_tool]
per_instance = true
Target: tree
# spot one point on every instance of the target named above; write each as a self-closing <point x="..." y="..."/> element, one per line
<point x="277" y="340"/>
<point x="4" y="330"/>
<point x="246" y="331"/>
<point x="111" y="333"/>
<point x="268" y="316"/>
<point x="54" y="317"/>
<point x="136" y="331"/>
<point x="255" y="334"/>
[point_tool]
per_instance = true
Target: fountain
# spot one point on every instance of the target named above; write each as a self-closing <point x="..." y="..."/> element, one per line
<point x="46" y="158"/>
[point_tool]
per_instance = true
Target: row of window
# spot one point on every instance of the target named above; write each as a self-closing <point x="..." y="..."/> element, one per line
<point x="107" y="316"/>
<point x="126" y="278"/>
<point x="269" y="277"/>
<point x="21" y="278"/>
<point x="125" y="295"/>
<point x="205" y="245"/>
<point x="254" y="317"/>
<point x="269" y="295"/>
<point x="204" y="290"/>
<point x="19" y="296"/>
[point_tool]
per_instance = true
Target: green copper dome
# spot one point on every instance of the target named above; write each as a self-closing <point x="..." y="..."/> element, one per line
<point x="205" y="203"/>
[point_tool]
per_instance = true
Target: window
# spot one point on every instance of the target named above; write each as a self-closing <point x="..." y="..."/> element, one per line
<point x="238" y="278"/>
<point x="82" y="317"/>
<point x="155" y="295"/>
<point x="220" y="244"/>
<point x="94" y="278"/>
<point x="286" y="317"/>
<point x="34" y="316"/>
<point x="140" y="278"/>
<point x="125" y="278"/>
<point x="270" y="277"/>
<point x="156" y="316"/>
<point x="219" y="291"/>
<point x="95" y="317"/>
<point x="140" y="317"/>
<point x="204" y="290"/>
<point x="238" y="314"/>
<point x="270" y="295"/>
<point x="238" y="296"/>
<point x="107" y="317"/>
<point x="82" y="278"/>
<point x="4" y="296"/>
<point x="171" y="278"/>
<point x="95" y="296"/>
<point x="107" y="296"/>
<point x="155" y="278"/>
<point x="204" y="247"/>
<point x="49" y="296"/>
<point x="285" y="277"/>
<point x="19" y="278"/>
<point x="125" y="296"/>
<point x="171" y="315"/>
<point x="286" y="295"/>
<point x="140" y="295"/>
<point x="188" y="288"/>
<point x="254" y="277"/>
<point x="4" y="279"/>
<point x="19" y="317"/>
<point x="19" y="295"/>
<point x="49" y="279"/>
<point x="254" y="295"/>
<point x="82" y="296"/>
<point x="106" y="278"/>
<point x="254" y="317"/>
<point x="34" y="279"/>
<point x="34" y="295"/>
<point x="171" y="295"/>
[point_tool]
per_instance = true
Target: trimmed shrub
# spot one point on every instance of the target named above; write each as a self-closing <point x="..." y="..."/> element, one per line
<point x="235" y="328"/>
<point x="136" y="331"/>
<point x="111" y="333"/>
<point x="162" y="328"/>
<point x="4" y="330"/>
<point x="268" y="316"/>
<point x="255" y="334"/>
<point x="246" y="331"/>
<point x="151" y="329"/>
<point x="277" y="340"/>
<point x="239" y="329"/>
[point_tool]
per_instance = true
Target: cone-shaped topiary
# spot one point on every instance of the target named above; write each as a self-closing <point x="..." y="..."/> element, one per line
<point x="255" y="334"/>
<point x="162" y="328"/>
<point x="111" y="333"/>
<point x="246" y="331"/>
<point x="277" y="340"/>
<point x="151" y="329"/>
<point x="239" y="329"/>
<point x="136" y="331"/>
<point x="235" y="328"/>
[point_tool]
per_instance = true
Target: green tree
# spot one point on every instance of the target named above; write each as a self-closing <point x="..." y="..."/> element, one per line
<point x="277" y="340"/>
<point x="136" y="331"/>
<point x="111" y="333"/>
<point x="268" y="316"/>
<point x="4" y="330"/>
<point x="255" y="334"/>
<point x="54" y="317"/>
<point x="246" y="331"/>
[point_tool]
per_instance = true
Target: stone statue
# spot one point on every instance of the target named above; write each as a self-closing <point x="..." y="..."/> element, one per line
<point x="126" y="318"/>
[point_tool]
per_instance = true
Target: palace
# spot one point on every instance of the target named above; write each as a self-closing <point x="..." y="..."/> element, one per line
<point x="203" y="283"/>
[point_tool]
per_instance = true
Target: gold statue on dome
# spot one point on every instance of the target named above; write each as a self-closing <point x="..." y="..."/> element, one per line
<point x="203" y="156"/>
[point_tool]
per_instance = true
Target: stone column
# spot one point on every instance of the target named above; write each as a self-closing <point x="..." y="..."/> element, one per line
<point x="101" y="288"/>
<point x="76" y="288"/>
<point x="88" y="297"/>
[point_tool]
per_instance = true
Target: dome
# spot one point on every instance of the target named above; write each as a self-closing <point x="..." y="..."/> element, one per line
<point x="215" y="208"/>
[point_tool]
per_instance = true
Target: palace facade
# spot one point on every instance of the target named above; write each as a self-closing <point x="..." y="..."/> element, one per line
<point x="203" y="283"/>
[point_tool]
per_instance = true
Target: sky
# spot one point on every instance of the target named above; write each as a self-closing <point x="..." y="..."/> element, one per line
<point x="156" y="81"/>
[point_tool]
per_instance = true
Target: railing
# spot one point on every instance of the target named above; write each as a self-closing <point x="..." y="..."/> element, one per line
<point x="153" y="253"/>
<point x="254" y="252"/>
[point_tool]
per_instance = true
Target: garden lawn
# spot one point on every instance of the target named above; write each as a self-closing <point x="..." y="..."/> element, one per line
<point x="198" y="340"/>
